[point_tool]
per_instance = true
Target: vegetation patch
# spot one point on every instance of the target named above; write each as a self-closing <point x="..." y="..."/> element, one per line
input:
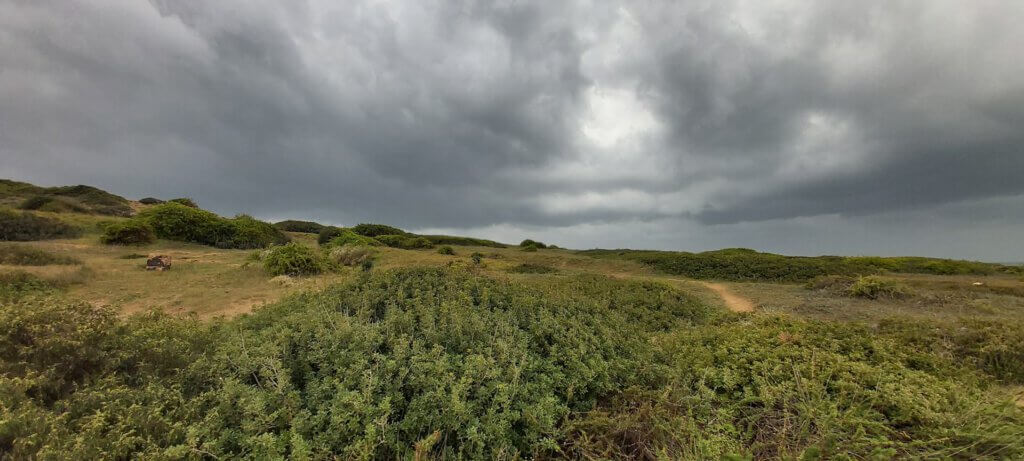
<point x="351" y="255"/>
<point x="306" y="227"/>
<point x="327" y="234"/>
<point x="462" y="241"/>
<point x="26" y="226"/>
<point x="741" y="264"/>
<point x="405" y="242"/>
<point x="292" y="259"/>
<point x="174" y="221"/>
<point x="529" y="268"/>
<point x="150" y="201"/>
<point x="874" y="287"/>
<point x="24" y="255"/>
<point x="347" y="237"/>
<point x="129" y="232"/>
<point x="446" y="250"/>
<point x="373" y="230"/>
<point x="76" y="199"/>
<point x="185" y="201"/>
<point x="532" y="243"/>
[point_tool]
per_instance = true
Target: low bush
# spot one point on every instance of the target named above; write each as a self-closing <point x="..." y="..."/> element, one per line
<point x="462" y="241"/>
<point x="873" y="287"/>
<point x="477" y="257"/>
<point x="373" y="230"/>
<point x="532" y="243"/>
<point x="347" y="237"/>
<point x="528" y="268"/>
<point x="185" y="201"/>
<point x="129" y="232"/>
<point x="24" y="255"/>
<point x="351" y="255"/>
<point x="19" y="284"/>
<point x="150" y="201"/>
<point x="405" y="242"/>
<point x="446" y="250"/>
<point x="831" y="283"/>
<point x="26" y="226"/>
<point x="292" y="259"/>
<point x="251" y="233"/>
<point x="531" y="247"/>
<point x="327" y="234"/>
<point x="174" y="221"/>
<point x="306" y="227"/>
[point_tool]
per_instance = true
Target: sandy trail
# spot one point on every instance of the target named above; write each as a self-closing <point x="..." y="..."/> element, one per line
<point x="734" y="302"/>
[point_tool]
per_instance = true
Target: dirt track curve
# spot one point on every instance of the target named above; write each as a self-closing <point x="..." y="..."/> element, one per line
<point x="732" y="301"/>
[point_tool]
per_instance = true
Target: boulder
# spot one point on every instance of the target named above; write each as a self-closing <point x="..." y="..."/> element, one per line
<point x="158" y="263"/>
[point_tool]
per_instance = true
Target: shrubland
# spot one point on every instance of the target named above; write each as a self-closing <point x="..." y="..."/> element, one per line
<point x="291" y="225"/>
<point x="742" y="264"/>
<point x="174" y="221"/>
<point x="128" y="232"/>
<point x="373" y="230"/>
<point x="27" y="226"/>
<point x="436" y="363"/>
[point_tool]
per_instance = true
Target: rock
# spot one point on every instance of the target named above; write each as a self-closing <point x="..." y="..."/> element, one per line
<point x="158" y="263"/>
<point x="977" y="284"/>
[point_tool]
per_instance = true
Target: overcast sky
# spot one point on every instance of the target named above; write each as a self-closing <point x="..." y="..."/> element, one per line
<point x="817" y="127"/>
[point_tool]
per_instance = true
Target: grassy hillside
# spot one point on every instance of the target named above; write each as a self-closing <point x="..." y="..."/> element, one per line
<point x="63" y="199"/>
<point x="348" y="350"/>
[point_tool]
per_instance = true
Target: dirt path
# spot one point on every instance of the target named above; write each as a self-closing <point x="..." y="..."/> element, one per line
<point x="734" y="302"/>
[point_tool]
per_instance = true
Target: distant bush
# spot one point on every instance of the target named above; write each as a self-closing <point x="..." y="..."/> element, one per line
<point x="328" y="233"/>
<point x="292" y="259"/>
<point x="529" y="243"/>
<point x="291" y="225"/>
<point x="405" y="242"/>
<point x="873" y="287"/>
<point x="174" y="221"/>
<point x="150" y="201"/>
<point x="347" y="237"/>
<point x="528" y="268"/>
<point x="184" y="201"/>
<point x="24" y="255"/>
<point x="26" y="226"/>
<point x="352" y="255"/>
<point x="529" y="247"/>
<point x="462" y="241"/>
<point x="446" y="250"/>
<point x="373" y="230"/>
<point x="130" y="232"/>
<point x="251" y="233"/>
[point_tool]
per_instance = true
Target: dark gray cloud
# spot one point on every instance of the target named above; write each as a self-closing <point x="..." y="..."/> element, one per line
<point x="732" y="120"/>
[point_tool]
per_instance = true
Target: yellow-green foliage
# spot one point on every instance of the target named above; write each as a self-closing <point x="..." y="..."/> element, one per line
<point x="292" y="259"/>
<point x="874" y="287"/>
<point x="443" y="364"/>
<point x="26" y="226"/>
<point x="347" y="237"/>
<point x="405" y="242"/>
<point x="174" y="221"/>
<point x="25" y="255"/>
<point x="352" y="255"/>
<point x="446" y="250"/>
<point x="129" y="232"/>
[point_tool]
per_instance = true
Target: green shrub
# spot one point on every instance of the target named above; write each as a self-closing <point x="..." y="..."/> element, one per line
<point x="528" y="268"/>
<point x="873" y="287"/>
<point x="373" y="230"/>
<point x="831" y="283"/>
<point x="347" y="237"/>
<point x="26" y="226"/>
<point x="462" y="241"/>
<point x="18" y="284"/>
<point x="327" y="234"/>
<point x="477" y="257"/>
<point x="351" y="255"/>
<point x="530" y="247"/>
<point x="130" y="232"/>
<point x="184" y="201"/>
<point x="251" y="233"/>
<point x="405" y="242"/>
<point x="292" y="259"/>
<point x="150" y="201"/>
<point x="174" y="221"/>
<point x="532" y="243"/>
<point x="24" y="255"/>
<point x="306" y="227"/>
<point x="52" y="204"/>
<point x="446" y="250"/>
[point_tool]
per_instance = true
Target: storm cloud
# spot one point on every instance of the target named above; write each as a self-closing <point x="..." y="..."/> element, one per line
<point x="804" y="127"/>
